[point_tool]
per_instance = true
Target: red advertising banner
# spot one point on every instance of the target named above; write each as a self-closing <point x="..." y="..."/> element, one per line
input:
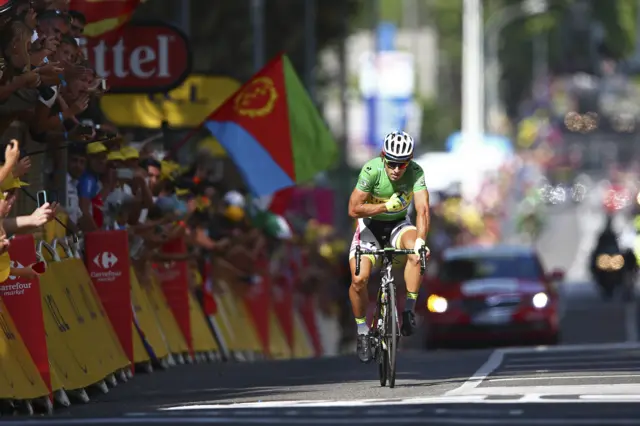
<point x="23" y="300"/>
<point x="304" y="303"/>
<point x="107" y="261"/>
<point x="282" y="296"/>
<point x="257" y="299"/>
<point x="175" y="286"/>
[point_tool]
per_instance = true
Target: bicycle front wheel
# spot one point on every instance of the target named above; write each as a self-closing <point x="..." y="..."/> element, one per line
<point x="392" y="335"/>
<point x="381" y="350"/>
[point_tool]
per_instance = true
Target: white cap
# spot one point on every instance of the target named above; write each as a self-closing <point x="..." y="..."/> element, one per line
<point x="234" y="198"/>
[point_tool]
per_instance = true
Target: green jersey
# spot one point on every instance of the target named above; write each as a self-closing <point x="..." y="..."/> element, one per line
<point x="374" y="180"/>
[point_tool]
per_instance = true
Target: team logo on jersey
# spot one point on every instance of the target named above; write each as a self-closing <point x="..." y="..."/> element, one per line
<point x="364" y="184"/>
<point x="421" y="181"/>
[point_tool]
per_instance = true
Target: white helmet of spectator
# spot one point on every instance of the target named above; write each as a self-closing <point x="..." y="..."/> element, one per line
<point x="234" y="198"/>
<point x="398" y="146"/>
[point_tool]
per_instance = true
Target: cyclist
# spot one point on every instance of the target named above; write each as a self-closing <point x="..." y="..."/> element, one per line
<point x="380" y="201"/>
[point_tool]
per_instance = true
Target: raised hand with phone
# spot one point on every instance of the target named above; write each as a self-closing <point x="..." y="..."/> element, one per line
<point x="45" y="213"/>
<point x="11" y="158"/>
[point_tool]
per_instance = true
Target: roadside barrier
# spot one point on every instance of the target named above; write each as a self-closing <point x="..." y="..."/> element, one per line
<point x="93" y="318"/>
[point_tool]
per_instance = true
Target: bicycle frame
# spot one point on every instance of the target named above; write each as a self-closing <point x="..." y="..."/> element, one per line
<point x="387" y="286"/>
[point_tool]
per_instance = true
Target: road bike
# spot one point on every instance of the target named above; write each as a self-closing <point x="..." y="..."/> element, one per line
<point x="385" y="329"/>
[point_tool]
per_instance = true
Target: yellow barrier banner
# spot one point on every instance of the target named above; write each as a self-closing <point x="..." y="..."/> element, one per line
<point x="302" y="346"/>
<point x="140" y="354"/>
<point x="172" y="333"/>
<point x="71" y="339"/>
<point x="81" y="289"/>
<point x="105" y="356"/>
<point x="278" y="346"/>
<point x="186" y="106"/>
<point x="19" y="376"/>
<point x="203" y="340"/>
<point x="236" y="313"/>
<point x="55" y="229"/>
<point x="243" y="327"/>
<point x="143" y="313"/>
<point x="245" y="335"/>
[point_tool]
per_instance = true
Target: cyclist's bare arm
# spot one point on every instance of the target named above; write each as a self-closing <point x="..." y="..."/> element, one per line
<point x="359" y="209"/>
<point x="421" y="205"/>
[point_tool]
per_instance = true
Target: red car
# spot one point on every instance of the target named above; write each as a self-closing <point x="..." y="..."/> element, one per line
<point x="498" y="293"/>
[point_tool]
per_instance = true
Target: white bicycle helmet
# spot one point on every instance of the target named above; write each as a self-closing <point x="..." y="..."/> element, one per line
<point x="398" y="146"/>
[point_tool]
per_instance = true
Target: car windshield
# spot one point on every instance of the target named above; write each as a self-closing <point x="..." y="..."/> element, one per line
<point x="522" y="267"/>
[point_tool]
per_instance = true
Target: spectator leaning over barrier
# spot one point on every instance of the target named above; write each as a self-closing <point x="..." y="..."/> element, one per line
<point x="9" y="191"/>
<point x="9" y="186"/>
<point x="90" y="190"/>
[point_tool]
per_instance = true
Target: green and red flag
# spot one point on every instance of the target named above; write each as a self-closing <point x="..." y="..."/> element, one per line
<point x="105" y="17"/>
<point x="273" y="131"/>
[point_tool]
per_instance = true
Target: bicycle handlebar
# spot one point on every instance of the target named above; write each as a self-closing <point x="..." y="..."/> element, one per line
<point x="392" y="251"/>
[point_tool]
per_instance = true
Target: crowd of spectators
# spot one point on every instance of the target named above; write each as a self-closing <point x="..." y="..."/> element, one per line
<point x="96" y="179"/>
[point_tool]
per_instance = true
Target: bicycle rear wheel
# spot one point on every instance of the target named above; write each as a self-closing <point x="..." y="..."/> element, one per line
<point x="392" y="333"/>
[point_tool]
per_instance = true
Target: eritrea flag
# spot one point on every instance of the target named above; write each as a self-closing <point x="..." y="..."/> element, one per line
<point x="273" y="131"/>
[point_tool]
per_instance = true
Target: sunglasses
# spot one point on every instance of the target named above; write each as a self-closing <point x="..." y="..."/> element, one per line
<point x="396" y="165"/>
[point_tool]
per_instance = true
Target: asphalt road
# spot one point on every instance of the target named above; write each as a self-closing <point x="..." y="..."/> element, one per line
<point x="596" y="382"/>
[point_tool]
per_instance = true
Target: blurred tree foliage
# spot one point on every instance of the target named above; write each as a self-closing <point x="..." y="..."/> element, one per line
<point x="618" y="19"/>
<point x="221" y="31"/>
<point x="557" y="26"/>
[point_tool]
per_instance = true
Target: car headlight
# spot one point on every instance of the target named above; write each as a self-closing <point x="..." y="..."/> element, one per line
<point x="540" y="300"/>
<point x="437" y="304"/>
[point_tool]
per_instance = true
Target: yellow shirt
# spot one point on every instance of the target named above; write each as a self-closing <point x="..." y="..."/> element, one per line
<point x="5" y="266"/>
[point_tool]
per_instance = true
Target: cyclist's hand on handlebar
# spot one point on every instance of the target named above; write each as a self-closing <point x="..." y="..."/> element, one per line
<point x="396" y="203"/>
<point x="419" y="244"/>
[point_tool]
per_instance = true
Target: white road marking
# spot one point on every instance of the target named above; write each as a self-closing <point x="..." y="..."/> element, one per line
<point x="492" y="364"/>
<point x="523" y="378"/>
<point x="613" y="389"/>
<point x="533" y="397"/>
<point x="570" y="363"/>
<point x="595" y="347"/>
<point x="609" y="398"/>
<point x="631" y="355"/>
<point x="326" y="403"/>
